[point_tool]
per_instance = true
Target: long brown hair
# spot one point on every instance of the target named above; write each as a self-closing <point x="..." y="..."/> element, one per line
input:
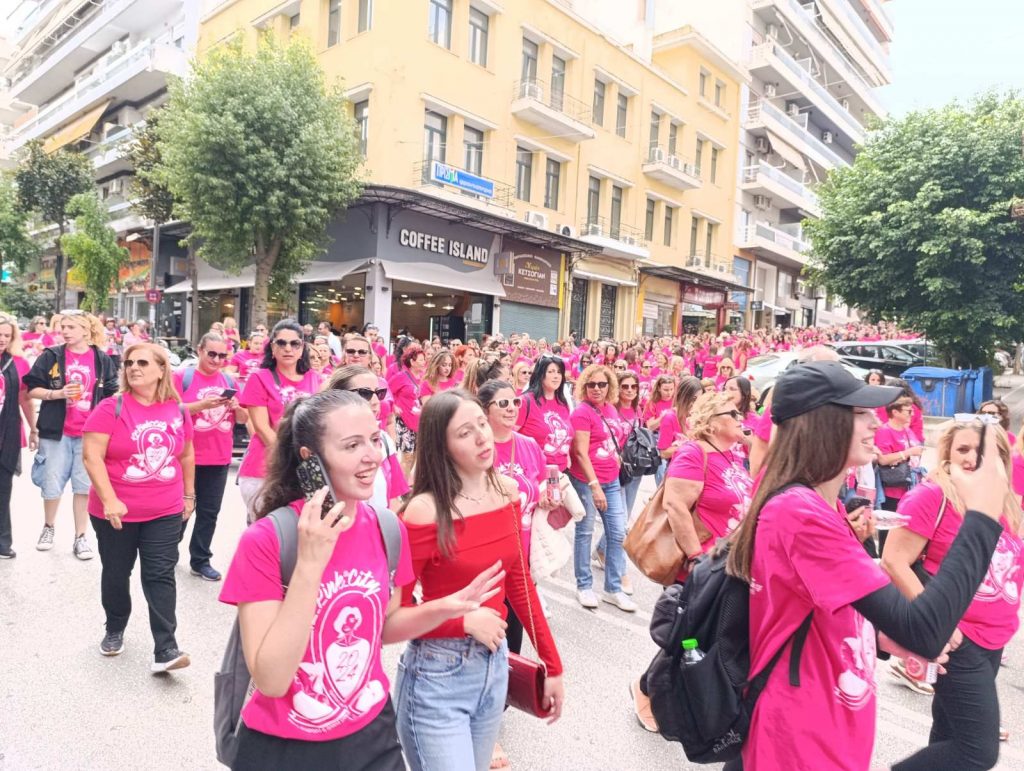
<point x="434" y="368"/>
<point x="439" y="478"/>
<point x="687" y="391"/>
<point x="808" y="450"/>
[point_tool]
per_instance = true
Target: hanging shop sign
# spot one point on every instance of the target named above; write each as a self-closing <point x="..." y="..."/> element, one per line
<point x="463" y="180"/>
<point x="533" y="279"/>
<point x="699" y="295"/>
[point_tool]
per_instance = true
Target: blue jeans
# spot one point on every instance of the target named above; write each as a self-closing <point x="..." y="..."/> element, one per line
<point x="614" y="519"/>
<point x="659" y="475"/>
<point x="450" y="698"/>
<point x="629" y="492"/>
<point x="62" y="462"/>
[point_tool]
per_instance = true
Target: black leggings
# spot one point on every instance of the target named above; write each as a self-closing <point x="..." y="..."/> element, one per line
<point x="965" y="715"/>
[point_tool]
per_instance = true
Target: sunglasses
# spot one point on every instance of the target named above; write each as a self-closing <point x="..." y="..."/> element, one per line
<point x="142" y="363"/>
<point x="503" y="404"/>
<point x="369" y="393"/>
<point x="628" y="387"/>
<point x="734" y="414"/>
<point x="293" y="344"/>
<point x="357" y="352"/>
<point x="620" y="366"/>
<point x="213" y="356"/>
<point x="594" y="384"/>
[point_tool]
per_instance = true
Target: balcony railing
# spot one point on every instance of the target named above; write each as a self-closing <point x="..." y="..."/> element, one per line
<point x="759" y="108"/>
<point x="603" y="227"/>
<point x="671" y="169"/>
<point x="711" y="265"/>
<point x="753" y="173"/>
<point x="677" y="162"/>
<point x="863" y="32"/>
<point x="504" y="194"/>
<point x="776" y="236"/>
<point x="553" y="98"/>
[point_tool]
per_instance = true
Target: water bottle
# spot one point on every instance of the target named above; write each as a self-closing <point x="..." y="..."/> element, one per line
<point x="691" y="653"/>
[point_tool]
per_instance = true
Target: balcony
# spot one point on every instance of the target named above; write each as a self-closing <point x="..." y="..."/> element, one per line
<point x="111" y="155"/>
<point x="671" y="170"/>
<point x="806" y="24"/>
<point x="772" y="57"/>
<point x="566" y="117"/>
<point x="859" y="31"/>
<point x="460" y="186"/>
<point x="133" y="76"/>
<point x="879" y="17"/>
<point x="615" y="239"/>
<point x="711" y="265"/>
<point x="785" y="192"/>
<point x="776" y="245"/>
<point x="764" y="116"/>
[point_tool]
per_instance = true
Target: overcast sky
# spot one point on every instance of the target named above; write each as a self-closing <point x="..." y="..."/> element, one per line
<point x="951" y="49"/>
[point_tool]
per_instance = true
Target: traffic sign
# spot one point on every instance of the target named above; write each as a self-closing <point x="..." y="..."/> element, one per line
<point x="153" y="296"/>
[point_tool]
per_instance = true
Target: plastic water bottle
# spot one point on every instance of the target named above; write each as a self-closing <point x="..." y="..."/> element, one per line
<point x="691" y="653"/>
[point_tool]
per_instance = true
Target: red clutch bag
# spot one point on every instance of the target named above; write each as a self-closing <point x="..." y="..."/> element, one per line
<point x="526" y="685"/>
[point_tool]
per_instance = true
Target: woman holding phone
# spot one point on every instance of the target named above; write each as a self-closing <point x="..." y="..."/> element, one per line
<point x="321" y="691"/>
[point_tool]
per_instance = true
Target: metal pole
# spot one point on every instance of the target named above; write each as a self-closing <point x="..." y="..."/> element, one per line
<point x="155" y="255"/>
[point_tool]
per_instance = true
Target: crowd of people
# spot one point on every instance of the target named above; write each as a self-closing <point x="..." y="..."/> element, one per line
<point x="488" y="450"/>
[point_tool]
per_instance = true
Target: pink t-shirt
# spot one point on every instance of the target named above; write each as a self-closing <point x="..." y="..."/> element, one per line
<point x="602" y="451"/>
<point x="890" y="440"/>
<point x="143" y="448"/>
<point x="763" y="425"/>
<point x="522" y="460"/>
<point x="261" y="391"/>
<point x="727" y="490"/>
<point x="340" y="685"/>
<point x="807" y="558"/>
<point x="405" y="390"/>
<point x="993" y="616"/>
<point x="656" y="408"/>
<point x="670" y="431"/>
<point x="550" y="426"/>
<point x="214" y="428"/>
<point x="78" y="368"/>
<point x="1018" y="473"/>
<point x="246" y="362"/>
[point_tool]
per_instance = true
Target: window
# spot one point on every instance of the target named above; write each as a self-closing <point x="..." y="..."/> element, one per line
<point x="694" y="227"/>
<point x="593" y="200"/>
<point x="616" y="219"/>
<point x="365" y="15"/>
<point x="673" y="137"/>
<point x="621" y="114"/>
<point x="473" y="142"/>
<point x="655" y="130"/>
<point x="524" y="170"/>
<point x="435" y="137"/>
<point x="530" y="50"/>
<point x="361" y="112"/>
<point x="719" y="93"/>
<point x="599" y="88"/>
<point x="552" y="183"/>
<point x="670" y="215"/>
<point x="333" y="22"/>
<point x="439" y="24"/>
<point x="702" y="83"/>
<point x="785" y="286"/>
<point x="709" y="243"/>
<point x="698" y="155"/>
<point x="649" y="220"/>
<point x="479" y="25"/>
<point x="557" y="82"/>
<point x="714" y="163"/>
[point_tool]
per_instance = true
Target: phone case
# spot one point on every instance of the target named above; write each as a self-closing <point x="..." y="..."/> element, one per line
<point x="312" y="477"/>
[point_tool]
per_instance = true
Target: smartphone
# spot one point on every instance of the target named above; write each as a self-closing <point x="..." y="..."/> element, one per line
<point x="313" y="476"/>
<point x="856" y="502"/>
<point x="229" y="393"/>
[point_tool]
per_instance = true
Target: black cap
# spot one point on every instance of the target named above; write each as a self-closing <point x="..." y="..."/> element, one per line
<point x="806" y="387"/>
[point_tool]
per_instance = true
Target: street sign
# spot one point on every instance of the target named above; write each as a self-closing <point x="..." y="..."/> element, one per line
<point x="153" y="296"/>
<point x="471" y="183"/>
<point x="756" y="305"/>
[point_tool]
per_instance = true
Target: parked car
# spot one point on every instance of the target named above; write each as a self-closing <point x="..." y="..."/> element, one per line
<point x="892" y="358"/>
<point x="762" y="371"/>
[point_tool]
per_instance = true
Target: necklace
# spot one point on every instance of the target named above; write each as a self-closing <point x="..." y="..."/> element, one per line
<point x="470" y="498"/>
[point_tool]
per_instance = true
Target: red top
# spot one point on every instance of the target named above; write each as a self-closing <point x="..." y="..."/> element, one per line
<point x="481" y="540"/>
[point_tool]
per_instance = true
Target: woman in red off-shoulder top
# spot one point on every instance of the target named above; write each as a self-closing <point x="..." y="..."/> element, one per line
<point x="452" y="682"/>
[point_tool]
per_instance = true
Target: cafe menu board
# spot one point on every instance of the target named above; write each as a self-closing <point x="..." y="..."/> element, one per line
<point x="533" y="278"/>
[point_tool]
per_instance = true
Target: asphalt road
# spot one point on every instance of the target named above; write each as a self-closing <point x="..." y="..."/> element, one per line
<point x="63" y="706"/>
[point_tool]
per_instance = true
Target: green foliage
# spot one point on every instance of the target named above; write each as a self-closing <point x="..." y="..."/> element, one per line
<point x="93" y="246"/>
<point x="918" y="228"/>
<point x="16" y="247"/>
<point x="25" y="304"/>
<point x="259" y="155"/>
<point x="152" y="198"/>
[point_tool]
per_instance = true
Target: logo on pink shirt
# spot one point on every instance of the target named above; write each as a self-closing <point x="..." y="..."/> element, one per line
<point x="1001" y="580"/>
<point x="856" y="684"/>
<point x="216" y="418"/>
<point x="155" y="452"/>
<point x="558" y="435"/>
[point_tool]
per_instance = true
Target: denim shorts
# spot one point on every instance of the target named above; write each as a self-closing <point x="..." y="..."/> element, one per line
<point x="61" y="462"/>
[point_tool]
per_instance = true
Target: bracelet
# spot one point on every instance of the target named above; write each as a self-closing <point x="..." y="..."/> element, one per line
<point x="189" y="497"/>
<point x="594" y="483"/>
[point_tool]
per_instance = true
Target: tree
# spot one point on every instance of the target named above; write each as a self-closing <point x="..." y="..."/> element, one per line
<point x="24" y="303"/>
<point x="93" y="246"/>
<point x="16" y="246"/>
<point x="260" y="155"/>
<point x="918" y="229"/>
<point x="46" y="184"/>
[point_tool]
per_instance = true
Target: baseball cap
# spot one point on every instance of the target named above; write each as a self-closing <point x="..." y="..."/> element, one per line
<point x="806" y="387"/>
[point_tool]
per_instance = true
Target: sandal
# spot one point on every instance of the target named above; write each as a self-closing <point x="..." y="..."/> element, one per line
<point x="498" y="758"/>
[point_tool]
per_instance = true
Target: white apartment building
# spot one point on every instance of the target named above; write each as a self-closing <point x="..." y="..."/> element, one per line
<point x="82" y="74"/>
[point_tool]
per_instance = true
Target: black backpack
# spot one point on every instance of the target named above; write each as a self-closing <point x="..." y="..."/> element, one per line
<point x="640" y="456"/>
<point x="707" y="706"/>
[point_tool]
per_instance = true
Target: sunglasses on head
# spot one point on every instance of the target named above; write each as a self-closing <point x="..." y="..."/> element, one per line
<point x="369" y="393"/>
<point x="294" y="344"/>
<point x="968" y="418"/>
<point x="213" y="356"/>
<point x="72" y="312"/>
<point x="504" y="403"/>
<point x="357" y="352"/>
<point x="142" y="363"/>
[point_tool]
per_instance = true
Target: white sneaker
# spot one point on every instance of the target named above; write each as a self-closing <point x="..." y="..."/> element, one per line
<point x="45" y="542"/>
<point x="544" y="605"/>
<point x="82" y="549"/>
<point x="621" y="600"/>
<point x="627" y="584"/>
<point x="587" y="598"/>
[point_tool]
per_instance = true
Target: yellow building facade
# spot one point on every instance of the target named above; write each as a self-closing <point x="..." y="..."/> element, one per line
<point x="634" y="156"/>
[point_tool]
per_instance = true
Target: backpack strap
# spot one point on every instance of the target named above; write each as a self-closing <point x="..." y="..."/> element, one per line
<point x="287" y="526"/>
<point x="118" y="406"/>
<point x="391" y="533"/>
<point x="186" y="378"/>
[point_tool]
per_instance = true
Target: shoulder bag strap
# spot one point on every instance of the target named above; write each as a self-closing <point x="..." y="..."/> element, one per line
<point x="618" y="450"/>
<point x="391" y="532"/>
<point x="938" y="521"/>
<point x="287" y="526"/>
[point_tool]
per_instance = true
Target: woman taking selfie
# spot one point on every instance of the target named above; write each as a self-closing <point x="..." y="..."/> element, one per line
<point x="797" y="550"/>
<point x="965" y="711"/>
<point x="463" y="516"/>
<point x="137" y="448"/>
<point x="321" y="692"/>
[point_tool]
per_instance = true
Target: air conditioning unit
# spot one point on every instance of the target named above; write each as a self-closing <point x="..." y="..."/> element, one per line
<point x="118" y="48"/>
<point x="845" y="104"/>
<point x="566" y="230"/>
<point x="5" y="82"/>
<point x="801" y="288"/>
<point x="537" y="219"/>
<point x="772" y="32"/>
<point x="762" y="202"/>
<point x="533" y="91"/>
<point x="657" y="155"/>
<point x="762" y="146"/>
<point x="793" y="109"/>
<point x="631" y="240"/>
<point x="674" y="162"/>
<point x="827" y="137"/>
<point x="770" y="90"/>
<point x="593" y="229"/>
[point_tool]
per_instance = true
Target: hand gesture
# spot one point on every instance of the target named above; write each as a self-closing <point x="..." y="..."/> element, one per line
<point x="984" y="489"/>
<point x="859" y="523"/>
<point x="554" y="697"/>
<point x="600" y="502"/>
<point x="114" y="513"/>
<point x="486" y="626"/>
<point x="476" y="593"/>
<point x="233" y="403"/>
<point x="318" y="536"/>
<point x="189" y="508"/>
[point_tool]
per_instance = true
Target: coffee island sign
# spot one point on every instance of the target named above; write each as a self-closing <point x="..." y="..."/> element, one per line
<point x="428" y="242"/>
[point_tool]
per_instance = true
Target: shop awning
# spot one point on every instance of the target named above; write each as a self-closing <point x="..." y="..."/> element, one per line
<point x="693" y="277"/>
<point x="330" y="271"/>
<point x="776" y="310"/>
<point x="789" y="153"/>
<point x="613" y="280"/>
<point x="443" y="278"/>
<point x="211" y="279"/>
<point x="79" y="128"/>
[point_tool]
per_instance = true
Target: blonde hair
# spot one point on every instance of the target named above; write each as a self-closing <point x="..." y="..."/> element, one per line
<point x="707" y="406"/>
<point x="726" y="362"/>
<point x="14" y="347"/>
<point x="940" y="476"/>
<point x="613" y="383"/>
<point x="96" y="333"/>
<point x="165" y="390"/>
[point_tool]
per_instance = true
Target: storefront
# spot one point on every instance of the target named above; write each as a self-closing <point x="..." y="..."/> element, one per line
<point x="602" y="304"/>
<point x="659" y="306"/>
<point x="531" y="291"/>
<point x="705" y="302"/>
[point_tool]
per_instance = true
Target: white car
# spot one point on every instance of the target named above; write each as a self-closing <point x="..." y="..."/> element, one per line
<point x="763" y="370"/>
